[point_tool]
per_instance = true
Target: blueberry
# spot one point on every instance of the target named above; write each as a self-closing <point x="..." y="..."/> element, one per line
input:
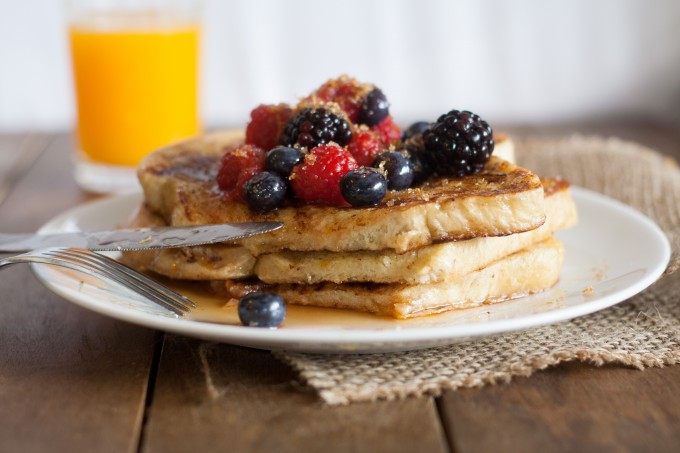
<point x="415" y="129"/>
<point x="398" y="167"/>
<point x="421" y="165"/>
<point x="282" y="159"/>
<point x="260" y="309"/>
<point x="421" y="168"/>
<point x="265" y="192"/>
<point x="363" y="186"/>
<point x="374" y="108"/>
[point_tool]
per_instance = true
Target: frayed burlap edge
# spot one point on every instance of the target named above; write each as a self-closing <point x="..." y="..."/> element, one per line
<point x="335" y="397"/>
<point x="642" y="332"/>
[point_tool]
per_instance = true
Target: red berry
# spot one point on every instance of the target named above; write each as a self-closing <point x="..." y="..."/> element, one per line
<point x="345" y="91"/>
<point x="266" y="124"/>
<point x="365" y="146"/>
<point x="388" y="131"/>
<point x="317" y="179"/>
<point x="238" y="165"/>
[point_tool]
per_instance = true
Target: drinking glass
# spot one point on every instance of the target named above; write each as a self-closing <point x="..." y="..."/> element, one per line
<point x="135" y="68"/>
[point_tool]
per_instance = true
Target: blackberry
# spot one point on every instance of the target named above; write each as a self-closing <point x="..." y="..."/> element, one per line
<point x="374" y="108"/>
<point x="260" y="309"/>
<point x="398" y="169"/>
<point x="315" y="126"/>
<point x="458" y="144"/>
<point x="282" y="159"/>
<point x="414" y="129"/>
<point x="265" y="192"/>
<point x="363" y="186"/>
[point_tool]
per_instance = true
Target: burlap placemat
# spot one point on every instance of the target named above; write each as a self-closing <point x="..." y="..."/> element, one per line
<point x="641" y="332"/>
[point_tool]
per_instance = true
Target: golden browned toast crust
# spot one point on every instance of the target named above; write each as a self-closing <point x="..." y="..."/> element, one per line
<point x="430" y="264"/>
<point x="528" y="271"/>
<point x="179" y="185"/>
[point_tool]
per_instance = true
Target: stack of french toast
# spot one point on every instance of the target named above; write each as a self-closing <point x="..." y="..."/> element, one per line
<point x="445" y="243"/>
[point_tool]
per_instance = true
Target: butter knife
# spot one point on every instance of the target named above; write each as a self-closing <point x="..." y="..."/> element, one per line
<point x="137" y="239"/>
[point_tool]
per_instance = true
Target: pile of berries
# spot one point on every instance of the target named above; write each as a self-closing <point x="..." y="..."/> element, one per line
<point x="340" y="146"/>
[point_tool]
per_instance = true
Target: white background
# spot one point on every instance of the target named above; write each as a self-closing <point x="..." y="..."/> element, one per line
<point x="511" y="61"/>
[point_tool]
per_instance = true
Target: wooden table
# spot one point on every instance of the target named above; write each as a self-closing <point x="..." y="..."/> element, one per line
<point x="72" y="380"/>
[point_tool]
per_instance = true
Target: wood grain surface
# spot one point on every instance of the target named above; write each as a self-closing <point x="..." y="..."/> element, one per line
<point x="72" y="380"/>
<point x="214" y="397"/>
<point x="572" y="407"/>
<point x="18" y="152"/>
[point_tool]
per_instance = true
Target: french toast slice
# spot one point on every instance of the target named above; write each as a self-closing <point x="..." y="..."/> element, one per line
<point x="202" y="262"/>
<point x="429" y="264"/>
<point x="179" y="185"/>
<point x="436" y="263"/>
<point x="533" y="269"/>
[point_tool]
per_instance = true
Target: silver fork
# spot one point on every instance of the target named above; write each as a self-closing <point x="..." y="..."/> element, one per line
<point x="107" y="269"/>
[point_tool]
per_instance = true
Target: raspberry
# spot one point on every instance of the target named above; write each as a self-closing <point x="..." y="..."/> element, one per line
<point x="365" y="146"/>
<point x="239" y="164"/>
<point x="458" y="144"/>
<point x="388" y="131"/>
<point x="317" y="179"/>
<point x="345" y="91"/>
<point x="266" y="124"/>
<point x="315" y="126"/>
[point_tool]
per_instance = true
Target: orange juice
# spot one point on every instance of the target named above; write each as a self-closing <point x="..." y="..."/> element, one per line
<point x="136" y="88"/>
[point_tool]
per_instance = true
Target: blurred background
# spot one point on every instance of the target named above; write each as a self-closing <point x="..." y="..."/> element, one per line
<point x="513" y="62"/>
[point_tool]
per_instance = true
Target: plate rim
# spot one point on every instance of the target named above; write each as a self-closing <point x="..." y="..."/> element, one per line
<point x="359" y="339"/>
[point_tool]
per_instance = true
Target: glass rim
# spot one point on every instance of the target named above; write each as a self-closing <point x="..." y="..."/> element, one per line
<point x="111" y="12"/>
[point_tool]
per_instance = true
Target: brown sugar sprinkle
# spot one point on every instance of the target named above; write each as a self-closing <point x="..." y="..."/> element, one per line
<point x="331" y="86"/>
<point x="314" y="103"/>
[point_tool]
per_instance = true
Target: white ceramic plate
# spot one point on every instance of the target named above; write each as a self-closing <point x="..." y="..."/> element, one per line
<point x="613" y="253"/>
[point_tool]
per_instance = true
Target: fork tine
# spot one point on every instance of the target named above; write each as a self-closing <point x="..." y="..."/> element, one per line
<point x="177" y="305"/>
<point x="129" y="272"/>
<point x="54" y="257"/>
<point x="109" y="266"/>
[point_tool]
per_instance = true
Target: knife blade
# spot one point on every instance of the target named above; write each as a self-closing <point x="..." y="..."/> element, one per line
<point x="137" y="239"/>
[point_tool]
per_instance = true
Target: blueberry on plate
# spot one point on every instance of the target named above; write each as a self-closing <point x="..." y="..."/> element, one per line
<point x="398" y="168"/>
<point x="282" y="159"/>
<point x="260" y="309"/>
<point x="265" y="192"/>
<point x="363" y="186"/>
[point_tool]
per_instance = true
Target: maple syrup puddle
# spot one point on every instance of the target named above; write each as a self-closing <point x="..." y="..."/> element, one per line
<point x="218" y="309"/>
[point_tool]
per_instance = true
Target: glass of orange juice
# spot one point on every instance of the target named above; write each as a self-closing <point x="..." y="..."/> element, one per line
<point x="135" y="68"/>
